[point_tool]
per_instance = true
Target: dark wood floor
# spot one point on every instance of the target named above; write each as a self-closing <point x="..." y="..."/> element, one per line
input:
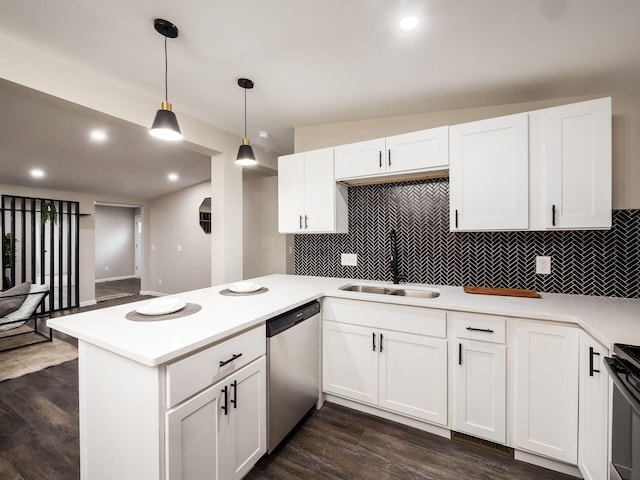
<point x="339" y="443"/>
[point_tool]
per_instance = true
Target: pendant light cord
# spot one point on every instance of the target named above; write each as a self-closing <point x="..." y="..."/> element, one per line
<point x="245" y="113"/>
<point x="166" y="69"/>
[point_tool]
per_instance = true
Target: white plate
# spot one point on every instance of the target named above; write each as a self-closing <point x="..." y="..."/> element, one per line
<point x="244" y="287"/>
<point x="161" y="306"/>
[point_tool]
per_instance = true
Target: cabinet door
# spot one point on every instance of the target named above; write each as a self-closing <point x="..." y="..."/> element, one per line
<point x="360" y="159"/>
<point x="479" y="390"/>
<point x="320" y="191"/>
<point x="247" y="438"/>
<point x="426" y="149"/>
<point x="291" y="188"/>
<point x="413" y="375"/>
<point x="571" y="166"/>
<point x="350" y="361"/>
<point x="546" y="390"/>
<point x="594" y="412"/>
<point x="196" y="437"/>
<point x="488" y="174"/>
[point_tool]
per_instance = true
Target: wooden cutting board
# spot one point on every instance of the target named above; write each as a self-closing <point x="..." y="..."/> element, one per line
<point x="507" y="292"/>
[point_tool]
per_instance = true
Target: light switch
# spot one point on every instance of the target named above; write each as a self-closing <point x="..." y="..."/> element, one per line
<point x="179" y="248"/>
<point x="543" y="265"/>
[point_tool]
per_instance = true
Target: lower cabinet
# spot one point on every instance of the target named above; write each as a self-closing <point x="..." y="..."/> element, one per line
<point x="479" y="390"/>
<point x="401" y="372"/>
<point x="546" y="389"/>
<point x="479" y="375"/>
<point x="220" y="432"/>
<point x="593" y="419"/>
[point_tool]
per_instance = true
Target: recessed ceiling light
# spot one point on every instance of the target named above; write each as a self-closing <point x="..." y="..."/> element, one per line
<point x="98" y="135"/>
<point x="408" y="23"/>
<point x="173" y="177"/>
<point x="263" y="134"/>
<point x="37" y="173"/>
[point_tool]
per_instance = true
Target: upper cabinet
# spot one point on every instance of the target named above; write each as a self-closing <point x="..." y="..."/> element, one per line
<point x="488" y="174"/>
<point x="410" y="153"/>
<point x="570" y="166"/>
<point x="542" y="170"/>
<point x="309" y="200"/>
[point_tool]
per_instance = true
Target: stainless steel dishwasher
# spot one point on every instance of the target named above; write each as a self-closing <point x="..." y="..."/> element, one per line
<point x="293" y="369"/>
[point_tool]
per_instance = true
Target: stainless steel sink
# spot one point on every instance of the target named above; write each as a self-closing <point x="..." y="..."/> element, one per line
<point x="399" y="292"/>
<point x="406" y="292"/>
<point x="364" y="289"/>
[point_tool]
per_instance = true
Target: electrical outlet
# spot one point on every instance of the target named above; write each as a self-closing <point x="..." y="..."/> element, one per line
<point x="349" y="259"/>
<point x="290" y="250"/>
<point x="153" y="247"/>
<point x="543" y="265"/>
<point x="179" y="248"/>
<point x="106" y="268"/>
<point x="159" y="281"/>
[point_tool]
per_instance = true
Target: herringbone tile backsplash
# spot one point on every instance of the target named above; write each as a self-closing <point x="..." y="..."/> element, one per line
<point x="605" y="263"/>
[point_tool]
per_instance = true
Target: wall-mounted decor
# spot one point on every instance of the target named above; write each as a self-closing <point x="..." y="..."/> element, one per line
<point x="204" y="213"/>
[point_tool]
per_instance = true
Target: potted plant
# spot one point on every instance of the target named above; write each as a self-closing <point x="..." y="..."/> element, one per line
<point x="48" y="212"/>
<point x="7" y="260"/>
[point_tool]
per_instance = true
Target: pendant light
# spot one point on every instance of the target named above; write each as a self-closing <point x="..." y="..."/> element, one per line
<point x="165" y="124"/>
<point x="245" y="152"/>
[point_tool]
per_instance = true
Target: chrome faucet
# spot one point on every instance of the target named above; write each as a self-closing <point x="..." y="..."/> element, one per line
<point x="395" y="259"/>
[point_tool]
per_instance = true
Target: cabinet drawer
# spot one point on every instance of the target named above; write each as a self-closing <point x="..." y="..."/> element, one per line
<point x="401" y="318"/>
<point x="474" y="326"/>
<point x="196" y="372"/>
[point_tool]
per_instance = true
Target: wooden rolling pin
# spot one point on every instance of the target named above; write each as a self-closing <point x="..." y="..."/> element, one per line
<point x="507" y="292"/>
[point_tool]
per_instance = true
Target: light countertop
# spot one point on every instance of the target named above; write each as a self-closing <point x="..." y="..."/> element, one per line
<point x="608" y="320"/>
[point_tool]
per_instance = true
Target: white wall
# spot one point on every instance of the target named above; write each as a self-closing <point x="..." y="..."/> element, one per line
<point x="626" y="133"/>
<point x="174" y="223"/>
<point x="265" y="250"/>
<point x="115" y="246"/>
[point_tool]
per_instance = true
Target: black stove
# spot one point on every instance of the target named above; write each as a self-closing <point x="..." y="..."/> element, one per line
<point x="624" y="370"/>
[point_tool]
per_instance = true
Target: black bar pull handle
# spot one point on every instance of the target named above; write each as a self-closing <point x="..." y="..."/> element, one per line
<point x="234" y="399"/>
<point x="456" y="218"/>
<point x="300" y="222"/>
<point x="488" y="330"/>
<point x="553" y="215"/>
<point x="373" y="336"/>
<point x="380" y="157"/>
<point x="459" y="354"/>
<point x="591" y="369"/>
<point x="306" y="222"/>
<point x="381" y="338"/>
<point x="389" y="157"/>
<point x="225" y="362"/>
<point x="224" y="401"/>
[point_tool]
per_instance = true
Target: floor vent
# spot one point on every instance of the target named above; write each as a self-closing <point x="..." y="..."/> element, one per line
<point x="484" y="444"/>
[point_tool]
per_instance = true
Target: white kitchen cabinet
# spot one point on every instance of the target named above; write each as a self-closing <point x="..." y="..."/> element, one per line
<point x="350" y="361"/>
<point x="402" y="370"/>
<point x="546" y="389"/>
<point x="479" y="376"/>
<point x="593" y="416"/>
<point x="219" y="433"/>
<point x="422" y="151"/>
<point x="309" y="200"/>
<point x="570" y="166"/>
<point x="413" y="375"/>
<point x="488" y="175"/>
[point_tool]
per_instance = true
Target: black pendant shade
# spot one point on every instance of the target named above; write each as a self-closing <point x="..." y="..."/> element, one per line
<point x="245" y="156"/>
<point x="165" y="124"/>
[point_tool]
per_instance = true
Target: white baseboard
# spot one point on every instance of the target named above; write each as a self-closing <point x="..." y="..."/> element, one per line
<point x="88" y="303"/>
<point x="547" y="463"/>
<point x="149" y="292"/>
<point x="111" y="279"/>
<point x="426" y="427"/>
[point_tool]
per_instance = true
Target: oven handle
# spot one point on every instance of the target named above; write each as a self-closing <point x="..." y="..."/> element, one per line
<point x="612" y="365"/>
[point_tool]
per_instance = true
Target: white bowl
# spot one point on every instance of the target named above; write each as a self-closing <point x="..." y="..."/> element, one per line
<point x="161" y="306"/>
<point x="244" y="287"/>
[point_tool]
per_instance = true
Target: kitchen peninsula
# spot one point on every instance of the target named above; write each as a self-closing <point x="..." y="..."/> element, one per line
<point x="136" y="377"/>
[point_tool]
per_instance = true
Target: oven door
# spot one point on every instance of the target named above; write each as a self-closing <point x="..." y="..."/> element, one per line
<point x="625" y="431"/>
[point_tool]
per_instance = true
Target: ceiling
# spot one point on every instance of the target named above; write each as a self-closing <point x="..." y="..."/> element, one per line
<point x="335" y="60"/>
